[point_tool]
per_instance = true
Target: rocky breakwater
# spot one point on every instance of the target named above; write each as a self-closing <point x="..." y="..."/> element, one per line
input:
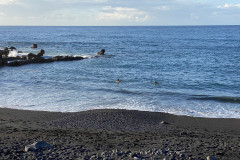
<point x="19" y="60"/>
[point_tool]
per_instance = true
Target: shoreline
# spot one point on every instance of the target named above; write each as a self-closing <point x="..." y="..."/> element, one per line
<point x="173" y="114"/>
<point x="117" y="134"/>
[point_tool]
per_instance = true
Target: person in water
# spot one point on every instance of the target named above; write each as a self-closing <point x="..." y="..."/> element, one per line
<point x="117" y="81"/>
<point x="155" y="82"/>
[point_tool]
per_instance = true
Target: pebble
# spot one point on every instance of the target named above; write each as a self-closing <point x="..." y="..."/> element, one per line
<point x="163" y="122"/>
<point x="38" y="145"/>
<point x="132" y="155"/>
<point x="211" y="158"/>
<point x="81" y="153"/>
<point x="136" y="158"/>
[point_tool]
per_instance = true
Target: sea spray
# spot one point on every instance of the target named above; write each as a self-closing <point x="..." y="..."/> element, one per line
<point x="13" y="53"/>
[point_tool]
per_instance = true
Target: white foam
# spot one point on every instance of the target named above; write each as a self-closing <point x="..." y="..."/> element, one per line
<point x="62" y="104"/>
<point x="15" y="53"/>
<point x="87" y="55"/>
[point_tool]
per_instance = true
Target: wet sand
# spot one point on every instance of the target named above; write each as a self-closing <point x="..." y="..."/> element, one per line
<point x="117" y="134"/>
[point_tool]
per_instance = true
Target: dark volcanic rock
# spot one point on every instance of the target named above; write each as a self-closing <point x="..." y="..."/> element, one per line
<point x="12" y="48"/>
<point x="41" y="53"/>
<point x="34" y="58"/>
<point x="21" y="62"/>
<point x="0" y="60"/>
<point x="4" y="52"/>
<point x="31" y="56"/>
<point x="38" y="146"/>
<point x="66" y="58"/>
<point x="101" y="52"/>
<point x="34" y="46"/>
<point x="211" y="158"/>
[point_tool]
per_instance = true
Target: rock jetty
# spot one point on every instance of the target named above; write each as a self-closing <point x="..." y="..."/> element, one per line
<point x="6" y="60"/>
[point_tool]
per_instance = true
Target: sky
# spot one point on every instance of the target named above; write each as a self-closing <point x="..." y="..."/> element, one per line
<point x="119" y="12"/>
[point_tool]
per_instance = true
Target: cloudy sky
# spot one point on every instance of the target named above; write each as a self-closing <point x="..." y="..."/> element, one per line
<point x="119" y="12"/>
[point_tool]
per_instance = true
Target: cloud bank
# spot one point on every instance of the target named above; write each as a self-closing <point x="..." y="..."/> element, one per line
<point x="110" y="13"/>
<point x="229" y="6"/>
<point x="123" y="12"/>
<point x="7" y="2"/>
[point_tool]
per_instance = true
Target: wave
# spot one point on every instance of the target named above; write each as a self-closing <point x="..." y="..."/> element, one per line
<point x="122" y="91"/>
<point x="144" y="93"/>
<point x="225" y="99"/>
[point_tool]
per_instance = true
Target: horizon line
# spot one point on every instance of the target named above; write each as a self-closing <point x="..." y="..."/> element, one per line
<point x="118" y="25"/>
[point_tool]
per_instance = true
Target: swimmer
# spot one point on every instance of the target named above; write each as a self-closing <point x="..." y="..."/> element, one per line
<point x="155" y="82"/>
<point x="117" y="81"/>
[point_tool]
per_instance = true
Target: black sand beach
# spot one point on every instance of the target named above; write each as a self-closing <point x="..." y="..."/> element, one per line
<point x="117" y="134"/>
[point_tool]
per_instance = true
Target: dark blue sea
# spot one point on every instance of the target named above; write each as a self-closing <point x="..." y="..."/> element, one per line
<point x="197" y="69"/>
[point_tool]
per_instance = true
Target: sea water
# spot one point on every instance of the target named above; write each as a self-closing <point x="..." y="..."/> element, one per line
<point x="197" y="69"/>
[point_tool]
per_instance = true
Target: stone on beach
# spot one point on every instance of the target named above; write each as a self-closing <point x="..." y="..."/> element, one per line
<point x="163" y="122"/>
<point x="38" y="146"/>
<point x="211" y="158"/>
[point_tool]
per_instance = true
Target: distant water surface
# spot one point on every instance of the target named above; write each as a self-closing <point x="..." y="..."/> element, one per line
<point x="197" y="69"/>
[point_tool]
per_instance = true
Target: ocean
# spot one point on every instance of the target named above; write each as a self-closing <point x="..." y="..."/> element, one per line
<point x="197" y="69"/>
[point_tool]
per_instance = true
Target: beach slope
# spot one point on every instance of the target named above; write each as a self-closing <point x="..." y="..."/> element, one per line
<point x="117" y="134"/>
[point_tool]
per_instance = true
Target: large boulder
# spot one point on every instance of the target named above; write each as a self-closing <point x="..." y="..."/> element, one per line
<point x="38" y="146"/>
<point x="34" y="46"/>
<point x="12" y="48"/>
<point x="31" y="56"/>
<point x="211" y="158"/>
<point x="101" y="52"/>
<point x="41" y="53"/>
<point x="4" y="52"/>
<point x="35" y="56"/>
<point x="0" y="60"/>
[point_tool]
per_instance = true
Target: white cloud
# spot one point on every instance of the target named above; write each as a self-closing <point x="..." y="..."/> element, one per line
<point x="109" y="8"/>
<point x="7" y="2"/>
<point x="122" y="14"/>
<point x="65" y="17"/>
<point x="194" y="16"/>
<point x="84" y="1"/>
<point x="163" y="8"/>
<point x="226" y="6"/>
